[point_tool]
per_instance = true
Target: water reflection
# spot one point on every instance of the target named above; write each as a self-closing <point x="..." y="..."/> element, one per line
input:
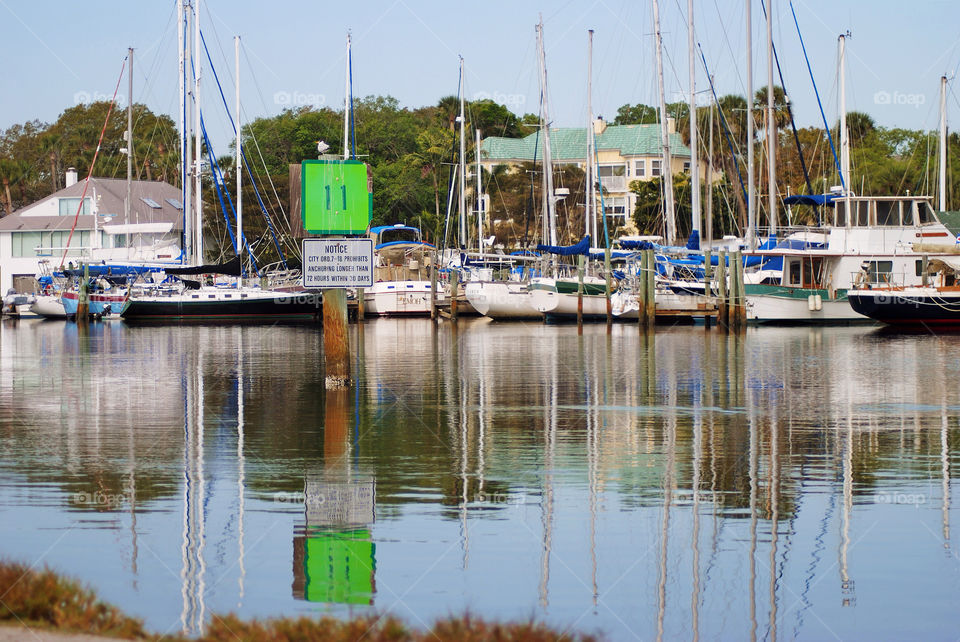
<point x="783" y="483"/>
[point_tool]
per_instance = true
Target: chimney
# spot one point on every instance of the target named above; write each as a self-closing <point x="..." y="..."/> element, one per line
<point x="671" y="125"/>
<point x="71" y="176"/>
<point x="599" y="126"/>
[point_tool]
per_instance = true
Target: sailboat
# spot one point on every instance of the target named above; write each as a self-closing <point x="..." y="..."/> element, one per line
<point x="188" y="299"/>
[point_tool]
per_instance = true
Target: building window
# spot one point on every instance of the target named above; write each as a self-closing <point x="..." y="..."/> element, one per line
<point x="640" y="168"/>
<point x="613" y="177"/>
<point x="655" y="168"/>
<point x="615" y="207"/>
<point x="68" y="206"/>
<point x="686" y="166"/>
<point x="32" y="244"/>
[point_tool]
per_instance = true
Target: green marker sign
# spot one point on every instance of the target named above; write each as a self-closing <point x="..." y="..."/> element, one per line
<point x="336" y="197"/>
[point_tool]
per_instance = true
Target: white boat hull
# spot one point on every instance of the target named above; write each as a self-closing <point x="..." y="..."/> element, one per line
<point x="49" y="306"/>
<point x="501" y="300"/>
<point x="768" y="308"/>
<point x="399" y="298"/>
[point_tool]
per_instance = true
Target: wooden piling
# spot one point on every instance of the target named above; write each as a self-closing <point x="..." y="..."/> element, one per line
<point x="707" y="288"/>
<point x="741" y="299"/>
<point x="433" y="293"/>
<point x="83" y="301"/>
<point x="641" y="292"/>
<point x="360" y="305"/>
<point x="609" y="286"/>
<point x="651" y="276"/>
<point x="580" y="294"/>
<point x="723" y="318"/>
<point x="454" y="282"/>
<point x="336" y="339"/>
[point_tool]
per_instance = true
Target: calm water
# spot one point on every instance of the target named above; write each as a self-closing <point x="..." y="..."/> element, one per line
<point x="789" y="483"/>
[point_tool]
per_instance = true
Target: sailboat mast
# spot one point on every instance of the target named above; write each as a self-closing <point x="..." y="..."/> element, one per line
<point x="479" y="198"/>
<point x="239" y="165"/>
<point x="346" y="104"/>
<point x="844" y="138"/>
<point x="667" y="173"/>
<point x="771" y="128"/>
<point x="127" y="202"/>
<point x="589" y="212"/>
<point x="198" y="161"/>
<point x="186" y="152"/>
<point x="694" y="156"/>
<point x="943" y="143"/>
<point x="708" y="227"/>
<point x="548" y="195"/>
<point x="751" y="185"/>
<point x="462" y="166"/>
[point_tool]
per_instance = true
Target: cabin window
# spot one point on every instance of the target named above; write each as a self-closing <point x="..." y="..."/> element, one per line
<point x="924" y="213"/>
<point x="880" y="271"/>
<point x="812" y="272"/>
<point x="888" y="213"/>
<point x="860" y="213"/>
<point x="919" y="267"/>
<point x="794" y="272"/>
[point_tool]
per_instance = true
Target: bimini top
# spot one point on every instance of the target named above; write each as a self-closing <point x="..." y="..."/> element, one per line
<point x="398" y="227"/>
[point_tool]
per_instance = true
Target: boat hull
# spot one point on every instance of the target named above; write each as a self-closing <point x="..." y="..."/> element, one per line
<point x="49" y="306"/>
<point x="399" y="298"/>
<point x="222" y="305"/>
<point x="796" y="307"/>
<point x="909" y="307"/>
<point x="101" y="304"/>
<point x="502" y="300"/>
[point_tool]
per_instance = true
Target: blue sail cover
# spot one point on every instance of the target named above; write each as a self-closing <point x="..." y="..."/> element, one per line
<point x="583" y="247"/>
<point x="638" y="245"/>
<point x="693" y="243"/>
<point x="811" y="199"/>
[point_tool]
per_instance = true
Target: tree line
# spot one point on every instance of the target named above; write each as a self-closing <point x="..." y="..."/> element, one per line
<point x="412" y="153"/>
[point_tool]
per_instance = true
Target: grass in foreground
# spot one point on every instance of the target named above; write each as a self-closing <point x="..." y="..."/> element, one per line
<point x="44" y="599"/>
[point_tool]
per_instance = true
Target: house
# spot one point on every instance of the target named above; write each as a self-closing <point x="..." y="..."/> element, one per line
<point x="102" y="233"/>
<point x="625" y="153"/>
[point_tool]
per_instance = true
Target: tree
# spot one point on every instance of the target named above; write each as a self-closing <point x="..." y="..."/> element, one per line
<point x="638" y="114"/>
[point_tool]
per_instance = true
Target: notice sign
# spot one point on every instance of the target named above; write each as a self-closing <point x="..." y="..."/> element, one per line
<point x="337" y="263"/>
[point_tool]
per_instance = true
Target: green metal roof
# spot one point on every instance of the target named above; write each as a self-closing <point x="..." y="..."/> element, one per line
<point x="569" y="144"/>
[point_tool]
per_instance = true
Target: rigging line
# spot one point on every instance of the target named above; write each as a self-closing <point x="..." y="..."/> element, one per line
<point x="243" y="154"/>
<point x="93" y="162"/>
<point x="723" y="121"/>
<point x="817" y="93"/>
<point x="217" y="182"/>
<point x="786" y="96"/>
<point x="256" y="144"/>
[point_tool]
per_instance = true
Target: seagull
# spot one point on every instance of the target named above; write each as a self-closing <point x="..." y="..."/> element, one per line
<point x="322" y="147"/>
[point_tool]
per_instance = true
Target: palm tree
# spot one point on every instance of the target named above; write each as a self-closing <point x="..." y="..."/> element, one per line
<point x="50" y="144"/>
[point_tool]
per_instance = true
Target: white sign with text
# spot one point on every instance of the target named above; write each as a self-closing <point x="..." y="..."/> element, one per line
<point x="337" y="263"/>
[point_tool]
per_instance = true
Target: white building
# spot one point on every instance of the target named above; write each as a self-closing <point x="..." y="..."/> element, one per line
<point x="42" y="230"/>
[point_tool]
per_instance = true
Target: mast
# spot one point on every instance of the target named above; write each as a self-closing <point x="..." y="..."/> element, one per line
<point x="943" y="143"/>
<point x="695" y="225"/>
<point x="461" y="168"/>
<point x="127" y="202"/>
<point x="198" y="163"/>
<point x="346" y="104"/>
<point x="239" y="166"/>
<point x="589" y="213"/>
<point x="844" y="138"/>
<point x="751" y="186"/>
<point x="550" y="200"/>
<point x="667" y="171"/>
<point x="479" y="198"/>
<point x="771" y="128"/>
<point x="186" y="153"/>
<point x="708" y="227"/>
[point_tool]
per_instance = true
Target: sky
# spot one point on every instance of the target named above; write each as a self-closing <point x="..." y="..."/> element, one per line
<point x="61" y="53"/>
